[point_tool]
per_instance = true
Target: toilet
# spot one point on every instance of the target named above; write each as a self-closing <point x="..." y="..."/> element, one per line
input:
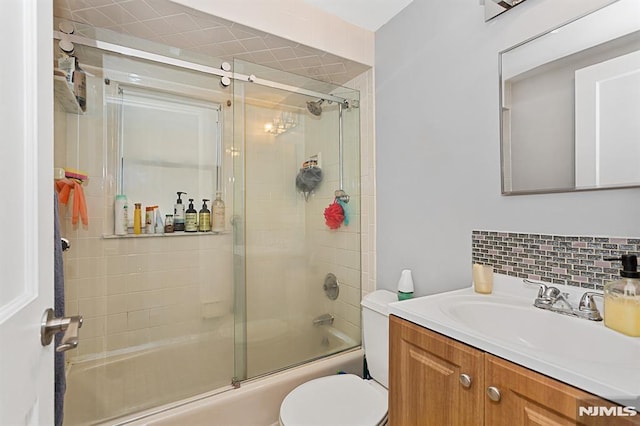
<point x="346" y="399"/>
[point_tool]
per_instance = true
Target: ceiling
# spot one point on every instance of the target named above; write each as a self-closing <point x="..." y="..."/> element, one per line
<point x="186" y="29"/>
<point x="368" y="14"/>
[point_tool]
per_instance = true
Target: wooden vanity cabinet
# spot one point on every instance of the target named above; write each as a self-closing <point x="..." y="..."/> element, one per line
<point x="427" y="386"/>
<point x="425" y="374"/>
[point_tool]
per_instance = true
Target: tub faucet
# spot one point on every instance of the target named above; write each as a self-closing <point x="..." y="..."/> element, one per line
<point x="324" y="319"/>
<point x="552" y="299"/>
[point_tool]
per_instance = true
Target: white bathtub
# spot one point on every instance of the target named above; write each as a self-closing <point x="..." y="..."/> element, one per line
<point x="255" y="403"/>
<point x="102" y="390"/>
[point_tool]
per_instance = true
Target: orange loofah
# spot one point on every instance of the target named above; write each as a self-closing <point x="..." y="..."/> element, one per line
<point x="79" y="209"/>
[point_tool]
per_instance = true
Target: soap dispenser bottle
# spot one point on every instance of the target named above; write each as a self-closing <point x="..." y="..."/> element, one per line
<point x="622" y="298"/>
<point x="191" y="218"/>
<point x="218" y="213"/>
<point x="204" y="217"/>
<point x="178" y="213"/>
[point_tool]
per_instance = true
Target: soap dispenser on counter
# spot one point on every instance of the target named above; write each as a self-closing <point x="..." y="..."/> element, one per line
<point x="622" y="298"/>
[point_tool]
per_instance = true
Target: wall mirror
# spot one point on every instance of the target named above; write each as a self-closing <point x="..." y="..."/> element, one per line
<point x="570" y="105"/>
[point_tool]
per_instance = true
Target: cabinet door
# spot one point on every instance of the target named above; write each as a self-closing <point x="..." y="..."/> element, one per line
<point x="425" y="385"/>
<point x="530" y="398"/>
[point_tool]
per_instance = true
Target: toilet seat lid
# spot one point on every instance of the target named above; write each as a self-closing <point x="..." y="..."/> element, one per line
<point x="343" y="399"/>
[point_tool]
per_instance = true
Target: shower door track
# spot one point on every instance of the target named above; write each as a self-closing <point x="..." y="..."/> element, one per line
<point x="154" y="57"/>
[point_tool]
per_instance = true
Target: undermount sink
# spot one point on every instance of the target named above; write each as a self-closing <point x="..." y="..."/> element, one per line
<point x="582" y="353"/>
<point x="507" y="320"/>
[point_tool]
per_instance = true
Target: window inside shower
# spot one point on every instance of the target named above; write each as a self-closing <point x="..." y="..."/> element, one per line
<point x="172" y="317"/>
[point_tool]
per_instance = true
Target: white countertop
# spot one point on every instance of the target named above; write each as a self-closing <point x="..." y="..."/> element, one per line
<point x="579" y="352"/>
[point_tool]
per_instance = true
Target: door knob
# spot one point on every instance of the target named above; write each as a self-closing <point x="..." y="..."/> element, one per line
<point x="51" y="326"/>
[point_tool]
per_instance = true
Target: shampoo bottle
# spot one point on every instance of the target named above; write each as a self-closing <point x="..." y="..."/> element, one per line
<point x="218" y="213"/>
<point x="121" y="215"/>
<point x="150" y="220"/>
<point x="204" y="217"/>
<point x="622" y="298"/>
<point x="137" y="219"/>
<point x="190" y="218"/>
<point x="178" y="214"/>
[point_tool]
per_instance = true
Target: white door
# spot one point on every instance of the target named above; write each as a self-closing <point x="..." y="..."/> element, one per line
<point x="26" y="212"/>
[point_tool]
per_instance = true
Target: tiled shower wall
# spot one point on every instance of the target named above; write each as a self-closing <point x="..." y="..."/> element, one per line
<point x="135" y="291"/>
<point x="132" y="291"/>
<point x="558" y="259"/>
<point x="364" y="83"/>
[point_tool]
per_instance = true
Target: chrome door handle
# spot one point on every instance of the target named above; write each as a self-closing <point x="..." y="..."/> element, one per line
<point x="51" y="326"/>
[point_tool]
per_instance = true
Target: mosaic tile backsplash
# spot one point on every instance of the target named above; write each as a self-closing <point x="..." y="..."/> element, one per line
<point x="558" y="259"/>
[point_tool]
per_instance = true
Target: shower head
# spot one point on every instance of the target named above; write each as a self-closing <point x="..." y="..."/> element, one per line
<point x="314" y="107"/>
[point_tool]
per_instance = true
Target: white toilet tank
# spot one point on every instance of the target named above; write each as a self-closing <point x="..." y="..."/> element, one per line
<point x="375" y="324"/>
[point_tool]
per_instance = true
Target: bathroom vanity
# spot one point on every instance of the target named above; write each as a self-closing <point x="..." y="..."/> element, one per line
<point x="447" y="369"/>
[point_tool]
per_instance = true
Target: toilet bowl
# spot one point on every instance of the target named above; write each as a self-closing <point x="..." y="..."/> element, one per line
<point x="346" y="399"/>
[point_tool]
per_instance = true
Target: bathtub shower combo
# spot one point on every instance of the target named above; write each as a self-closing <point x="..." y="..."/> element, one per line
<point x="176" y="317"/>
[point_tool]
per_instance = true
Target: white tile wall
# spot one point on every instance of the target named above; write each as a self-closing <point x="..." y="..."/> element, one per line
<point x="130" y="291"/>
<point x="365" y="83"/>
<point x="135" y="291"/>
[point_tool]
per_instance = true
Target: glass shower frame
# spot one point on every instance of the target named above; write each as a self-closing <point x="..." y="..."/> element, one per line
<point x="344" y="243"/>
<point x="282" y="259"/>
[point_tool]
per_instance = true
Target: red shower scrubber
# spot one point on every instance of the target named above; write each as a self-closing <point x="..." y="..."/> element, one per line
<point x="334" y="215"/>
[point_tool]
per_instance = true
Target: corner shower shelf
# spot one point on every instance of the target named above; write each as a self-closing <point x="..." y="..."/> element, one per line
<point x="170" y="235"/>
<point x="65" y="96"/>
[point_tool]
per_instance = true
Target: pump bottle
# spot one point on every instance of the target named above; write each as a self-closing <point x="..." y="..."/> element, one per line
<point x="218" y="213"/>
<point x="178" y="213"/>
<point x="622" y="298"/>
<point x="204" y="217"/>
<point x="191" y="218"/>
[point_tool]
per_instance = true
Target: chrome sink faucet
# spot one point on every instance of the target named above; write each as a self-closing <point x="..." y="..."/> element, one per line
<point x="552" y="299"/>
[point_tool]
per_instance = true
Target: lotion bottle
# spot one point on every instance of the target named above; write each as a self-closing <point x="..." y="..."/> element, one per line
<point x="218" y="213"/>
<point x="190" y="218"/>
<point x="178" y="213"/>
<point x="121" y="215"/>
<point x="204" y="217"/>
<point x="622" y="298"/>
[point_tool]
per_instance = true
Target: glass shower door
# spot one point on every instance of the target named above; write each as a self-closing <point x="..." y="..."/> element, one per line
<point x="157" y="308"/>
<point x="284" y="251"/>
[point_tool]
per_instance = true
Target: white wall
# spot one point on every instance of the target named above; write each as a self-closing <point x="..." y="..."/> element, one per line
<point x="437" y="143"/>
